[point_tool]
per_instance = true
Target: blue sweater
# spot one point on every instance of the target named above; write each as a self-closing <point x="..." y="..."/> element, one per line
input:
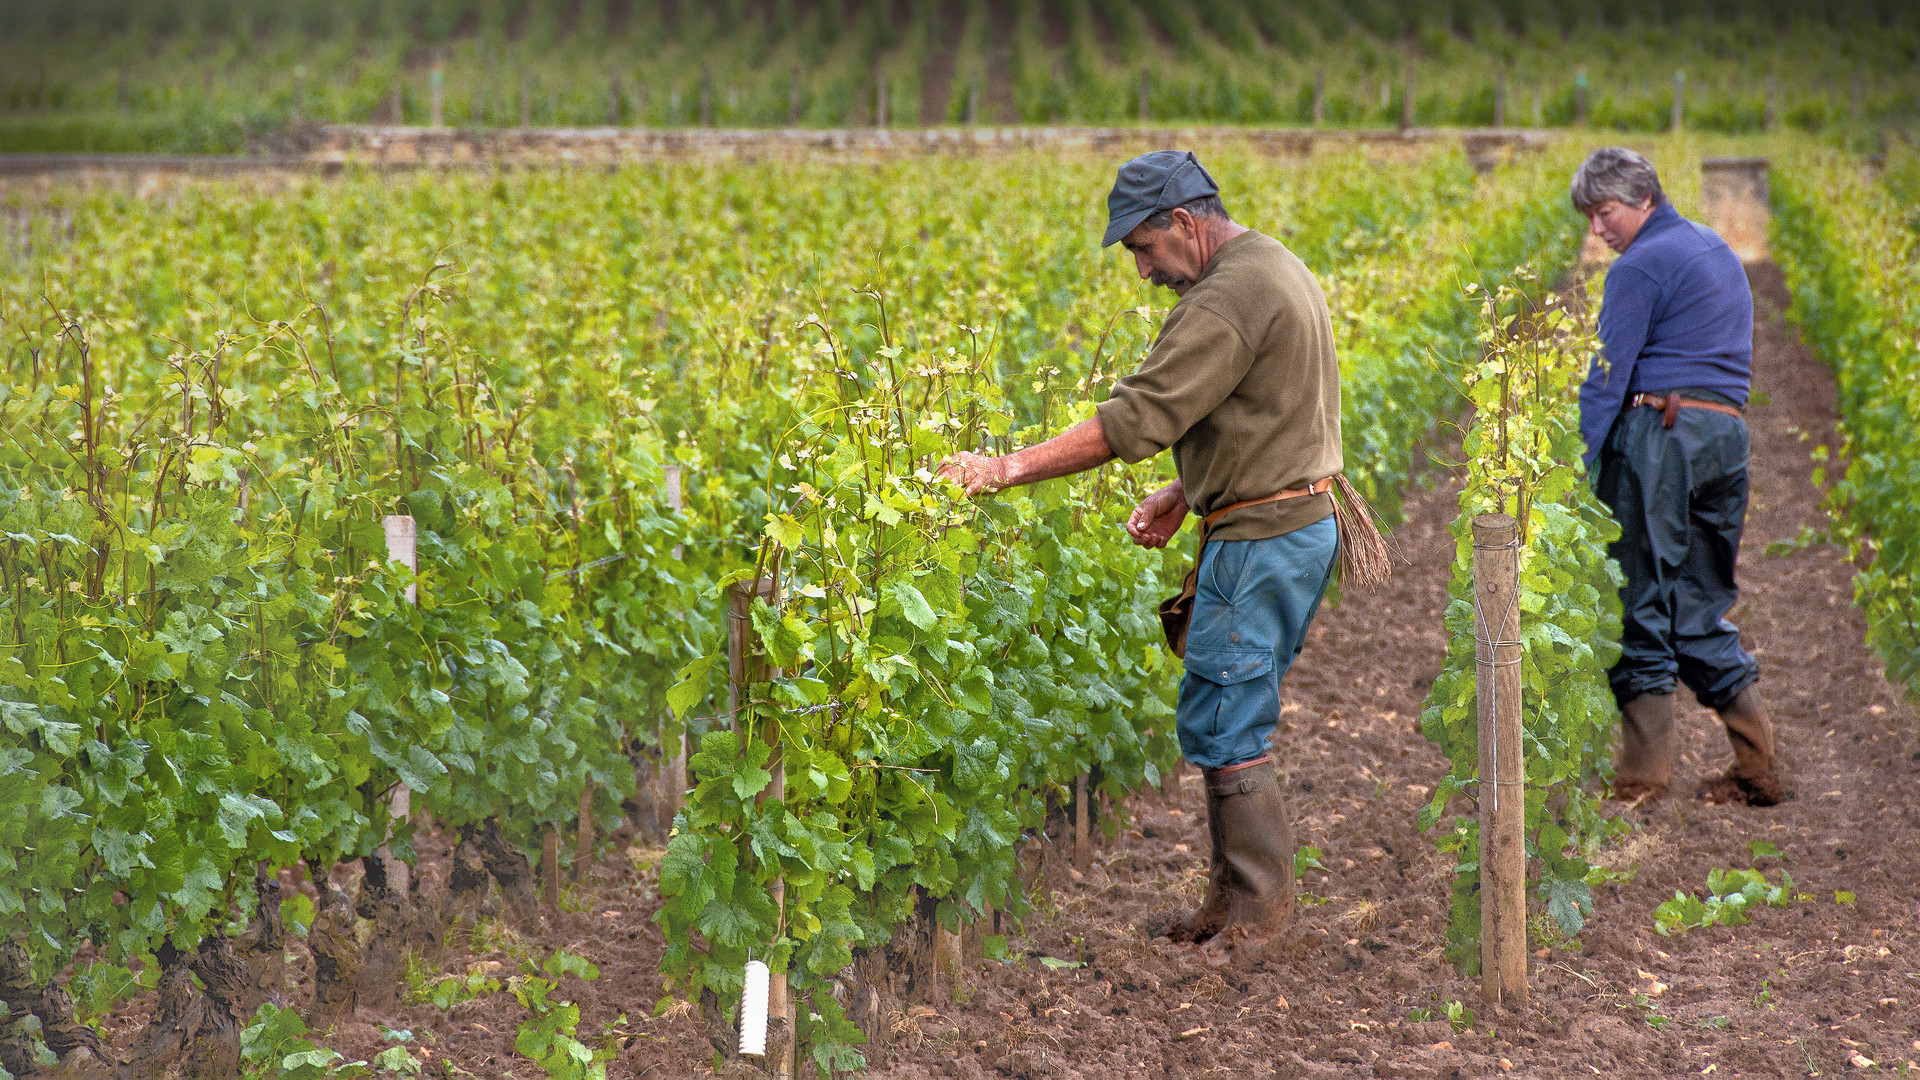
<point x="1676" y="314"/>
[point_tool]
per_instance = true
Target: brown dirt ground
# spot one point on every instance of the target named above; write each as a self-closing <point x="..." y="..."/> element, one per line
<point x="1815" y="988"/>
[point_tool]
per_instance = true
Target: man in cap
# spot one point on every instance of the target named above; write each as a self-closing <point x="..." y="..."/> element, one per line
<point x="1243" y="386"/>
<point x="1662" y="415"/>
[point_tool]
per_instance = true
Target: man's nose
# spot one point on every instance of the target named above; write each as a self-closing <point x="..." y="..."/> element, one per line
<point x="1140" y="265"/>
<point x="1594" y="224"/>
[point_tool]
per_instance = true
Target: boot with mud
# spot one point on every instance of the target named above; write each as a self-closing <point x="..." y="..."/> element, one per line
<point x="1755" y="778"/>
<point x="1644" y="770"/>
<point x="1255" y="842"/>
<point x="1211" y="918"/>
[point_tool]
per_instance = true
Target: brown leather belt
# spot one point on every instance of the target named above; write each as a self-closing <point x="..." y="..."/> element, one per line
<point x="1177" y="611"/>
<point x="1671" y="405"/>
<point x="1318" y="487"/>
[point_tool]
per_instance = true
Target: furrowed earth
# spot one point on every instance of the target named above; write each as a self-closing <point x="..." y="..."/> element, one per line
<point x="1823" y="986"/>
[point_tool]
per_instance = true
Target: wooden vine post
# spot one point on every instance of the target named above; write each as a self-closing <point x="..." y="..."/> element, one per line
<point x="1497" y="653"/>
<point x="673" y="760"/>
<point x="583" y="839"/>
<point x="550" y="871"/>
<point x="1082" y="841"/>
<point x="746" y="665"/>
<point x="1735" y="196"/>
<point x="1406" y="100"/>
<point x="403" y="547"/>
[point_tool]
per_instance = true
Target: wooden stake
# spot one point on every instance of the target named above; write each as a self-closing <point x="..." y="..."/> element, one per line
<point x="1679" y="100"/>
<point x="402" y="547"/>
<point x="1146" y="92"/>
<point x="1580" y="99"/>
<point x="1497" y="652"/>
<point x="948" y="964"/>
<point x="1406" y="100"/>
<point x="583" y="840"/>
<point x="550" y="871"/>
<point x="746" y="665"/>
<point x="1500" y="99"/>
<point x="1082" y="846"/>
<point x="437" y="101"/>
<point x="1319" y="97"/>
<point x="673" y="760"/>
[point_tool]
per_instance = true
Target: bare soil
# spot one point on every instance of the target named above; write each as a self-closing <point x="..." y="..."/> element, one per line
<point x="1817" y="988"/>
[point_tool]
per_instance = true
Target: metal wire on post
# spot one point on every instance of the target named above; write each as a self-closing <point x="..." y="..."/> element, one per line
<point x="1497" y="659"/>
<point x="1485" y="649"/>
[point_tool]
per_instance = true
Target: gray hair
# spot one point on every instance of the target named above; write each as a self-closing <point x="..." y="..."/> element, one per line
<point x="1206" y="206"/>
<point x="1615" y="173"/>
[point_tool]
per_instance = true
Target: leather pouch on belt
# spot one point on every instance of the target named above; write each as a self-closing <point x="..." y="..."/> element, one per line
<point x="1177" y="611"/>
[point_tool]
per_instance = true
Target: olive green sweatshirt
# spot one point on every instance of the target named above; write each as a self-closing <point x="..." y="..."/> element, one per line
<point x="1244" y="385"/>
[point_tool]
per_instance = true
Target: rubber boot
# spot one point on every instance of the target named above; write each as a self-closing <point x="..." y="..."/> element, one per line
<point x="1257" y="843"/>
<point x="1644" y="769"/>
<point x="1198" y="926"/>
<point x="1755" y="777"/>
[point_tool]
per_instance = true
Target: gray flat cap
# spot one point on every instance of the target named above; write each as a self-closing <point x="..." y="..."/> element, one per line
<point x="1150" y="183"/>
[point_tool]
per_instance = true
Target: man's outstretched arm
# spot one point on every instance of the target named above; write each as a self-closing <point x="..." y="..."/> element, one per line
<point x="1077" y="449"/>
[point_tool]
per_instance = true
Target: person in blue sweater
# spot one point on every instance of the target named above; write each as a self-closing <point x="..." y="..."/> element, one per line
<point x="1662" y="412"/>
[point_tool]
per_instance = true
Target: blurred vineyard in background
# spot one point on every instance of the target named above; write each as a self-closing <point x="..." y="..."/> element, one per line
<point x="229" y="75"/>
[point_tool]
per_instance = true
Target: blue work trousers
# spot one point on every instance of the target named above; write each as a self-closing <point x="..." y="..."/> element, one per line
<point x="1254" y="601"/>
<point x="1680" y="495"/>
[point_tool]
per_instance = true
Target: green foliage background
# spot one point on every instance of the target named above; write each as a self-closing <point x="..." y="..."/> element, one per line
<point x="200" y="75"/>
<point x="1849" y="247"/>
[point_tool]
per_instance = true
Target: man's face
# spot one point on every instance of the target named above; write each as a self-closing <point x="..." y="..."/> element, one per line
<point x="1170" y="256"/>
<point x="1617" y="223"/>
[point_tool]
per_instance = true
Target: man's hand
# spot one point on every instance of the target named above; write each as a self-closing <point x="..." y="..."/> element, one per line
<point x="975" y="472"/>
<point x="1158" y="516"/>
<point x="1081" y="447"/>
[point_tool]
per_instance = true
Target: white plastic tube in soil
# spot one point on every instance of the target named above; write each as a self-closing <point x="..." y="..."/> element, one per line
<point x="753" y="1011"/>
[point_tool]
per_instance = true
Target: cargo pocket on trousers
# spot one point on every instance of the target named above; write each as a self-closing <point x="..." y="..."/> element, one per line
<point x="1226" y="669"/>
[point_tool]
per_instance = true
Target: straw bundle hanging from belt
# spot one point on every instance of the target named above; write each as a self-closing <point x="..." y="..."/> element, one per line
<point x="1365" y="559"/>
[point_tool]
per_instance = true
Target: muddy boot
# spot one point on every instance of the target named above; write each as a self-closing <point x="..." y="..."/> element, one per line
<point x="1644" y="769"/>
<point x="1256" y="841"/>
<point x="1755" y="777"/>
<point x="1198" y="926"/>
